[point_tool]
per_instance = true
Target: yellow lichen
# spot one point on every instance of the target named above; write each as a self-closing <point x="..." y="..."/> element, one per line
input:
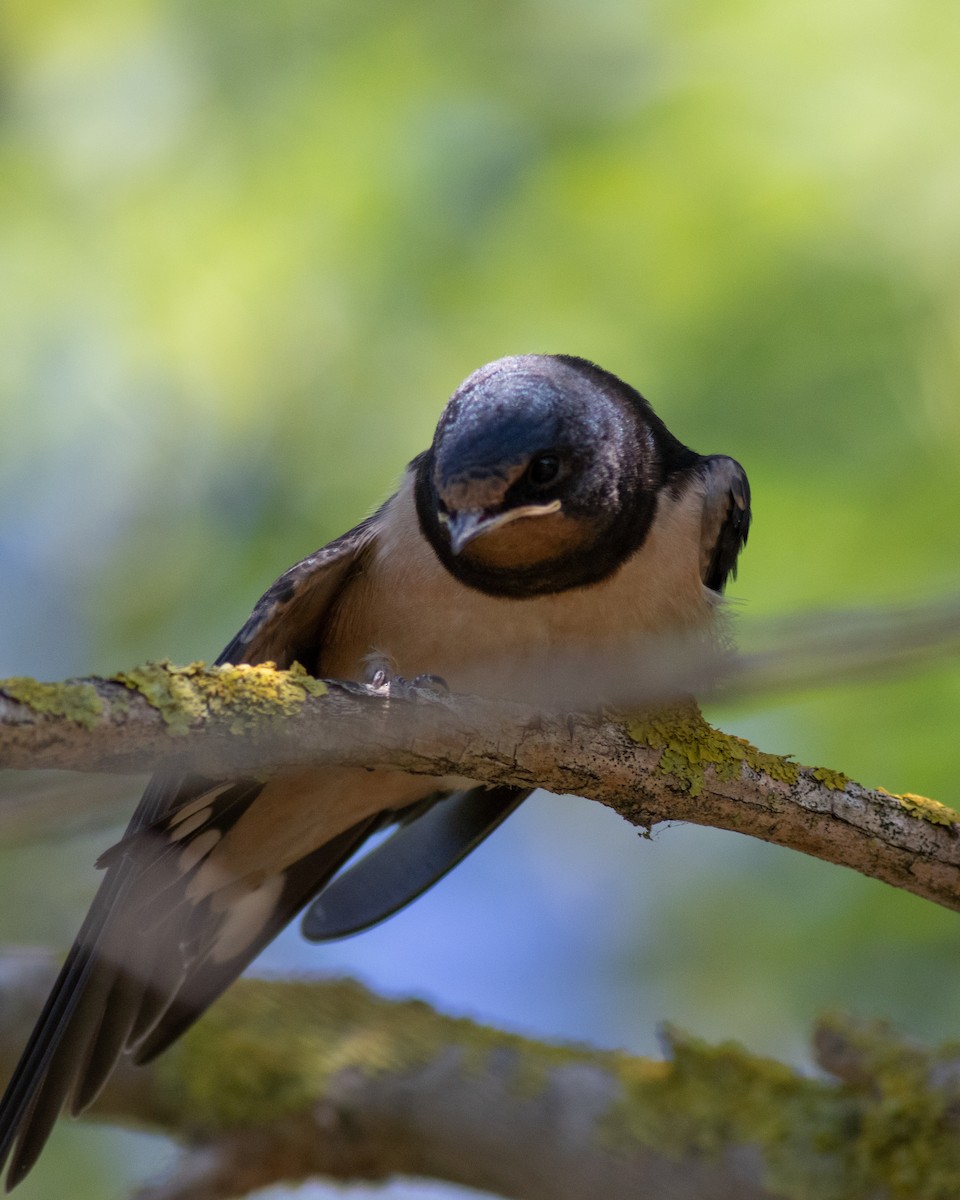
<point x="689" y="745"/>
<point x="77" y="702"/>
<point x="836" y="781"/>
<point x="245" y="694"/>
<point x="924" y="808"/>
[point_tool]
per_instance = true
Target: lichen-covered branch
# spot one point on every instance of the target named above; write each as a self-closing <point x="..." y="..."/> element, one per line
<point x="668" y="765"/>
<point x="283" y="1082"/>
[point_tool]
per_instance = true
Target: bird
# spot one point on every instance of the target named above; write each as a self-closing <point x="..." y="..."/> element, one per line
<point x="553" y="511"/>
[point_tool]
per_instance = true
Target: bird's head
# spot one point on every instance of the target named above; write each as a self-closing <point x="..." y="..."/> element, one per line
<point x="542" y="476"/>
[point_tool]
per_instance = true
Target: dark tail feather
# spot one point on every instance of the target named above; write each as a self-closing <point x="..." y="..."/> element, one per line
<point x="45" y="1074"/>
<point x="119" y="990"/>
<point x="118" y="1013"/>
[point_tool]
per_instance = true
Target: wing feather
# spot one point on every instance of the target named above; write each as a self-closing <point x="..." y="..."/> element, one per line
<point x="412" y="859"/>
<point x="726" y="519"/>
<point x="142" y="969"/>
<point x="287" y="625"/>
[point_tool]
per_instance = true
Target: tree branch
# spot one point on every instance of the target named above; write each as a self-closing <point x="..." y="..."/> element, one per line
<point x="283" y="1082"/>
<point x="662" y="766"/>
<point x="289" y="1081"/>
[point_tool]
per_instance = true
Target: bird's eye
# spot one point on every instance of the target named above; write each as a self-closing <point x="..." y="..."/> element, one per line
<point x="543" y="470"/>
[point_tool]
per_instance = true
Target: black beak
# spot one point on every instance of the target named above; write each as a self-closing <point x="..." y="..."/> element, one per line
<point x="470" y="523"/>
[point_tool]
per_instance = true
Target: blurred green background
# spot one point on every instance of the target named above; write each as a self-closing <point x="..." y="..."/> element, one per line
<point x="248" y="250"/>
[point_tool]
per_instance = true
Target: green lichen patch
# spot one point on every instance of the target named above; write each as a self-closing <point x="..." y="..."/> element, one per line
<point x="689" y="745"/>
<point x="924" y="808"/>
<point x="267" y="1050"/>
<point x="710" y="1101"/>
<point x="892" y="1134"/>
<point x="904" y="1143"/>
<point x="77" y="702"/>
<point x="836" y="781"/>
<point x="245" y="694"/>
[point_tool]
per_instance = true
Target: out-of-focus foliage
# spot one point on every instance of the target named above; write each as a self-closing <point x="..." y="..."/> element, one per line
<point x="247" y="250"/>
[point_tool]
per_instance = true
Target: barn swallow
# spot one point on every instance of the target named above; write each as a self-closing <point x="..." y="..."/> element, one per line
<point x="553" y="510"/>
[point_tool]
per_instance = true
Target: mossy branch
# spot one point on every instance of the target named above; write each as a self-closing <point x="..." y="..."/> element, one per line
<point x="664" y="767"/>
<point x="292" y="1081"/>
<point x="284" y="1082"/>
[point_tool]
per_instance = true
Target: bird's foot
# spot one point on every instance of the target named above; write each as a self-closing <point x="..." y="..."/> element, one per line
<point x="395" y="686"/>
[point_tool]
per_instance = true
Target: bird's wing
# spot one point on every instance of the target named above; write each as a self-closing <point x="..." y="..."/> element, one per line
<point x="413" y="858"/>
<point x="150" y="955"/>
<point x="287" y="624"/>
<point x="726" y="519"/>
